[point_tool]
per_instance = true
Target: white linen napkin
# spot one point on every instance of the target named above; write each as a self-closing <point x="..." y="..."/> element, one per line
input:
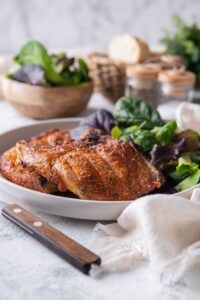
<point x="161" y="229"/>
<point x="188" y="116"/>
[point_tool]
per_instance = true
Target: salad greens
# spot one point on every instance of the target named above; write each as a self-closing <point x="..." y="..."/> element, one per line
<point x="102" y="120"/>
<point x="116" y="132"/>
<point x="129" y="111"/>
<point x="165" y="133"/>
<point x="189" y="181"/>
<point x="192" y="140"/>
<point x="175" y="154"/>
<point x="161" y="155"/>
<point x="186" y="166"/>
<point x="185" y="41"/>
<point x="183" y="171"/>
<point x="147" y="128"/>
<point x="35" y="53"/>
<point x="59" y="70"/>
<point x="144" y="138"/>
<point x="32" y="74"/>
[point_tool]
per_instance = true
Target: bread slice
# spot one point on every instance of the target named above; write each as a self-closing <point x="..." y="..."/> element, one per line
<point x="128" y="49"/>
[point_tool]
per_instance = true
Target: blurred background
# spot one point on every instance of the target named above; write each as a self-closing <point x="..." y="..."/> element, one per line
<point x="74" y="23"/>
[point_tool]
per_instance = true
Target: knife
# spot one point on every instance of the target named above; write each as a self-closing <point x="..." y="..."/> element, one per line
<point x="73" y="252"/>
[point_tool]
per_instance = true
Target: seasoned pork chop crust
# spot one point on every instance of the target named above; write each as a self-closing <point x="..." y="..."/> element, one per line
<point x="101" y="169"/>
<point x="96" y="167"/>
<point x="109" y="170"/>
<point x="52" y="137"/>
<point x="14" y="169"/>
<point x="41" y="158"/>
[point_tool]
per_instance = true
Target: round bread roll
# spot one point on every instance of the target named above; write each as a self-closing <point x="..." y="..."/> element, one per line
<point x="128" y="49"/>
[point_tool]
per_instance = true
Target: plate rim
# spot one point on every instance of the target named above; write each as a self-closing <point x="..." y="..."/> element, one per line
<point x="37" y="122"/>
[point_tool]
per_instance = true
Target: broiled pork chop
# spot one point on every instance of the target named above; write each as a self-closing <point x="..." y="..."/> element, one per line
<point x="100" y="168"/>
<point x="109" y="170"/>
<point x="14" y="169"/>
<point x="51" y="137"/>
<point x="42" y="158"/>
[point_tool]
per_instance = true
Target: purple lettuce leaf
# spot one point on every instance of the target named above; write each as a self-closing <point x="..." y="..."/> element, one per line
<point x="161" y="155"/>
<point x="31" y="74"/>
<point x="102" y="120"/>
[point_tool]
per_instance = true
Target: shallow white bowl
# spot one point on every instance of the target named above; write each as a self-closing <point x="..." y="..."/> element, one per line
<point x="58" y="205"/>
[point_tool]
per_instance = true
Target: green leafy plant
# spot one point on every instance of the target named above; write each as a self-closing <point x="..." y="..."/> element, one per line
<point x="184" y="172"/>
<point x="189" y="181"/>
<point x="144" y="138"/>
<point x="130" y="111"/>
<point x="177" y="155"/>
<point x="141" y="123"/>
<point x="185" y="41"/>
<point x="116" y="132"/>
<point x="186" y="166"/>
<point x="59" y="70"/>
<point x="35" y="53"/>
<point x="165" y="134"/>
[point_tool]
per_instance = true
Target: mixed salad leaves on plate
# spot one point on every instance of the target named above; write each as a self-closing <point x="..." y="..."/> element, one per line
<point x="174" y="152"/>
<point x="38" y="67"/>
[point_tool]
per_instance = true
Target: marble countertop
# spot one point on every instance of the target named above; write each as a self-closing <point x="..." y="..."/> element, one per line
<point x="82" y="23"/>
<point x="30" y="271"/>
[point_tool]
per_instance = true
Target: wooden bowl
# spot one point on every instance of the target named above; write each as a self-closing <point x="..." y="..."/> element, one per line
<point x="46" y="102"/>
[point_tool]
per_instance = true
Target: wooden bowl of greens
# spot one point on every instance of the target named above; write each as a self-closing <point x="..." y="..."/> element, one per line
<point x="47" y="86"/>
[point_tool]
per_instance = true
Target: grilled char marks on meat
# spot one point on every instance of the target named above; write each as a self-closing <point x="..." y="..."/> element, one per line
<point x="83" y="172"/>
<point x="42" y="159"/>
<point x="136" y="174"/>
<point x="96" y="167"/>
<point x="110" y="170"/>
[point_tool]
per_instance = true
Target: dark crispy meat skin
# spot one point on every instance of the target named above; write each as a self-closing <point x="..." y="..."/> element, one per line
<point x="109" y="170"/>
<point x="42" y="158"/>
<point x="51" y="137"/>
<point x="101" y="169"/>
<point x="14" y="169"/>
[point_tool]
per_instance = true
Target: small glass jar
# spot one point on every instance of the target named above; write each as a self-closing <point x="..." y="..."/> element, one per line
<point x="169" y="62"/>
<point x="141" y="82"/>
<point x="196" y="96"/>
<point x="175" y="86"/>
<point x="166" y="61"/>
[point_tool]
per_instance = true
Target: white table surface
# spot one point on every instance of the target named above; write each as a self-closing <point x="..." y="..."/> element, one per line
<point x="30" y="271"/>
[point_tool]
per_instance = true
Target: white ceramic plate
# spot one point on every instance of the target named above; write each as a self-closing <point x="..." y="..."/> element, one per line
<point x="62" y="206"/>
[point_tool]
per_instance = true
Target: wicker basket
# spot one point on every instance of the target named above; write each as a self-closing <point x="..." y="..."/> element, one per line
<point x="108" y="77"/>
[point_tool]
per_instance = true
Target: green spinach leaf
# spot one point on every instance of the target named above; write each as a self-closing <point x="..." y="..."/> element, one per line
<point x="83" y="70"/>
<point x="130" y="111"/>
<point x="35" y="53"/>
<point x="165" y="134"/>
<point x="142" y="137"/>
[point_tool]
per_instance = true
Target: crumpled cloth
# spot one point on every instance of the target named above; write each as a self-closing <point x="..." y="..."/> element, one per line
<point x="162" y="229"/>
<point x="188" y="116"/>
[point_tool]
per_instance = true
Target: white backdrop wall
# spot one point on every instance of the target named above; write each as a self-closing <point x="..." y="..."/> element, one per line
<point x="72" y="23"/>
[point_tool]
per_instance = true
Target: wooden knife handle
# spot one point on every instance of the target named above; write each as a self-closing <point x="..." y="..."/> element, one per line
<point x="77" y="255"/>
